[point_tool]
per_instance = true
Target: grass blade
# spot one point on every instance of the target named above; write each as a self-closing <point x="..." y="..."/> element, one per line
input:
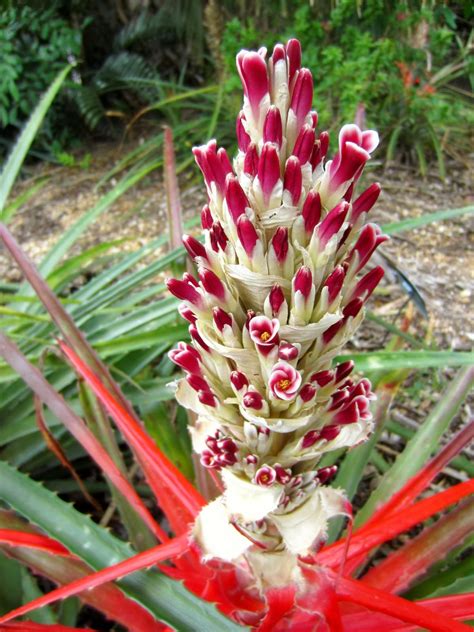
<point x="15" y="159"/>
<point x="429" y="218"/>
<point x="390" y="360"/>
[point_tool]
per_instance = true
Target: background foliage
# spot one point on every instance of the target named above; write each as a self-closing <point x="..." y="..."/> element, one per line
<point x="405" y="65"/>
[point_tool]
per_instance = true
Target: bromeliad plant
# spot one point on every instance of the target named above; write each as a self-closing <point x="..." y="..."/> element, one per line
<point x="282" y="285"/>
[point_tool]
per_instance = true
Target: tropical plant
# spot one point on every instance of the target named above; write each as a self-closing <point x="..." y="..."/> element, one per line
<point x="63" y="544"/>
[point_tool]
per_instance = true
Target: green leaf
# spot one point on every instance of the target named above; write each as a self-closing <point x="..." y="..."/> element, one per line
<point x="10" y="210"/>
<point x="390" y="360"/>
<point x="15" y="159"/>
<point x="31" y="591"/>
<point x="10" y="584"/>
<point x="423" y="220"/>
<point x="166" y="599"/>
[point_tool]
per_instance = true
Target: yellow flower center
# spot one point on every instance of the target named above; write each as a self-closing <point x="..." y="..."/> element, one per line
<point x="284" y="384"/>
<point x="265" y="336"/>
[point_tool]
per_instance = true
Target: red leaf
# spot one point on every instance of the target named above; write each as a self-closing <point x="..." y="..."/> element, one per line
<point x="30" y="626"/>
<point x="418" y="483"/>
<point x="377" y="600"/>
<point x="32" y="540"/>
<point x="459" y="607"/>
<point x="369" y="537"/>
<point x="398" y="571"/>
<point x="173" y="490"/>
<point x="137" y="562"/>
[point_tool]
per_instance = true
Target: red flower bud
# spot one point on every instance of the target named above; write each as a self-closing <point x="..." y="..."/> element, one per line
<point x="293" y="53"/>
<point x="303" y="281"/>
<point x="221" y="318"/>
<point x="197" y="382"/>
<point x="368" y="283"/>
<point x="334" y="283"/>
<point x="304" y="144"/>
<point x="253" y="73"/>
<point x="332" y="223"/>
<point x="325" y="474"/>
<point x="278" y="53"/>
<point x="343" y="370"/>
<point x="276" y="298"/>
<point x="287" y="351"/>
<point x="185" y="291"/>
<point x="251" y="160"/>
<point x="322" y="378"/>
<point x="212" y="284"/>
<point x="293" y="182"/>
<point x="218" y="237"/>
<point x="272" y="128"/>
<point x="194" y="247"/>
<point x="365" y="201"/>
<point x="311" y="211"/>
<point x="235" y="197"/>
<point x="212" y="164"/>
<point x="187" y="313"/>
<point x="239" y="380"/>
<point x="247" y="234"/>
<point x="302" y="96"/>
<point x="307" y="393"/>
<point x="196" y="336"/>
<point x="268" y="170"/>
<point x="206" y="218"/>
<point x="280" y="244"/>
<point x="253" y="399"/>
<point x="283" y="475"/>
<point x="185" y="360"/>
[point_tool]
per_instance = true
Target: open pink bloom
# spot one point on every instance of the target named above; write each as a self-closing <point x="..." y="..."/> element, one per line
<point x="284" y="381"/>
<point x="264" y="333"/>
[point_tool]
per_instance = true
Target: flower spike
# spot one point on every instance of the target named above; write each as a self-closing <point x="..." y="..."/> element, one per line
<point x="280" y="291"/>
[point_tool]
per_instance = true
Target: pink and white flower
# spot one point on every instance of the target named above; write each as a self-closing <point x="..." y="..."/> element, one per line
<point x="284" y="381"/>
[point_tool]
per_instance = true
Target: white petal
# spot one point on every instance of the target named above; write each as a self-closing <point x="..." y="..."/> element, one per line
<point x="250" y="501"/>
<point x="216" y="536"/>
<point x="301" y="527"/>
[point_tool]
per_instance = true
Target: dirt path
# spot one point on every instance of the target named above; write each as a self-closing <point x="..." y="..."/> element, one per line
<point x="438" y="258"/>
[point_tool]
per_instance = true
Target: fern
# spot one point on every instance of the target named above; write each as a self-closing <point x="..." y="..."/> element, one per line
<point x="89" y="105"/>
<point x="127" y="71"/>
